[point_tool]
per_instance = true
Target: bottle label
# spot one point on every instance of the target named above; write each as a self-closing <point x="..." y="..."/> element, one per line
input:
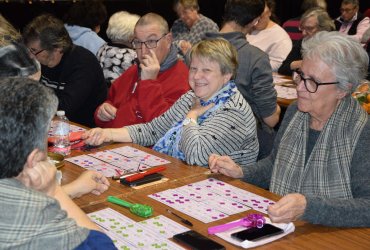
<point x="63" y="151"/>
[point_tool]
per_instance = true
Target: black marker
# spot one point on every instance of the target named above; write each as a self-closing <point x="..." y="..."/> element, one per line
<point x="181" y="219"/>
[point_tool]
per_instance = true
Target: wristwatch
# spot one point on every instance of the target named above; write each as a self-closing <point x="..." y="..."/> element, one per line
<point x="187" y="121"/>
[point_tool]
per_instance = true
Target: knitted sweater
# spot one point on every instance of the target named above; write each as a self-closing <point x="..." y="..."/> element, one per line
<point x="230" y="130"/>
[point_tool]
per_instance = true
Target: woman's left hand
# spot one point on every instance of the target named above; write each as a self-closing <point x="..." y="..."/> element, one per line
<point x="287" y="209"/>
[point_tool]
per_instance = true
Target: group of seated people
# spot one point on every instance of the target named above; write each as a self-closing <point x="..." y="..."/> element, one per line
<point x="211" y="113"/>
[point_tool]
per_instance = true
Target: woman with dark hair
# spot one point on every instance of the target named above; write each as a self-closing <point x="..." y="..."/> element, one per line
<point x="270" y="37"/>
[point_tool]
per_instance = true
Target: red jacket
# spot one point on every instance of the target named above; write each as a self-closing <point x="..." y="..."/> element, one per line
<point x="141" y="101"/>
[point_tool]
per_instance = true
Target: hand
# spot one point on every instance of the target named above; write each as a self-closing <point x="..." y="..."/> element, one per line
<point x="184" y="46"/>
<point x="197" y="109"/>
<point x="40" y="177"/>
<point x="106" y="112"/>
<point x="287" y="209"/>
<point x="97" y="136"/>
<point x="88" y="181"/>
<point x="224" y="165"/>
<point x="149" y="66"/>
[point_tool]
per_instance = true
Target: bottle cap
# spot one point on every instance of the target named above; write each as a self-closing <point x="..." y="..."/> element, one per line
<point x="61" y="113"/>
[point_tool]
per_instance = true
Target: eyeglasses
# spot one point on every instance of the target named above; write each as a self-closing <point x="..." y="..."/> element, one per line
<point x="150" y="44"/>
<point x="310" y="84"/>
<point x="34" y="52"/>
<point x="307" y="28"/>
<point x="347" y="9"/>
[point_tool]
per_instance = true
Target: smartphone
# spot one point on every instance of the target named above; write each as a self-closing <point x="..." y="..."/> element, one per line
<point x="255" y="233"/>
<point x="196" y="241"/>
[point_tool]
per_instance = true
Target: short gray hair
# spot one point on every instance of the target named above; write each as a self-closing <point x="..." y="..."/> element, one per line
<point x="26" y="110"/>
<point x="121" y="26"/>
<point x="151" y="18"/>
<point x="343" y="54"/>
<point x="324" y="22"/>
<point x="354" y="2"/>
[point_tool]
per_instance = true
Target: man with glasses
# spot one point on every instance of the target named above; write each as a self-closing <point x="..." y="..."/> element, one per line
<point x="150" y="87"/>
<point x="71" y="71"/>
<point x="312" y="21"/>
<point x="351" y="21"/>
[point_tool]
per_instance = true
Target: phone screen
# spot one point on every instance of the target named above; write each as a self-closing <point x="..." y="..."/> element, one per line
<point x="196" y="241"/>
<point x="254" y="233"/>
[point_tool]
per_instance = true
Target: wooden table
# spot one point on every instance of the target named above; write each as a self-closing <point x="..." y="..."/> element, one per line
<point x="175" y="171"/>
<point x="306" y="235"/>
<point x="285" y="81"/>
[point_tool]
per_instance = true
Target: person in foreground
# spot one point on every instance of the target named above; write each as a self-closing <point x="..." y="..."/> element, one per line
<point x="36" y="212"/>
<point x="320" y="160"/>
<point x="212" y="117"/>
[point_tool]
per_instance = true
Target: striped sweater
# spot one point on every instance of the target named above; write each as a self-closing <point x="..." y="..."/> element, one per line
<point x="230" y="130"/>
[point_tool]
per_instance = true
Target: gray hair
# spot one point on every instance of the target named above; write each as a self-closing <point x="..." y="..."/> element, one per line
<point x="26" y="110"/>
<point x="15" y="61"/>
<point x="121" y="26"/>
<point x="354" y="2"/>
<point x="324" y="21"/>
<point x="343" y="54"/>
<point x="151" y="18"/>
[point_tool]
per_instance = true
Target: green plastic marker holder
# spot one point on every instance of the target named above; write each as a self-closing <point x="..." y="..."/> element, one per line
<point x="138" y="209"/>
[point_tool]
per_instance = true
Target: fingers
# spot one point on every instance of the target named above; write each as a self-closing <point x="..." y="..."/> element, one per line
<point x="106" y="112"/>
<point x="287" y="209"/>
<point x="95" y="136"/>
<point x="149" y="66"/>
<point x="100" y="178"/>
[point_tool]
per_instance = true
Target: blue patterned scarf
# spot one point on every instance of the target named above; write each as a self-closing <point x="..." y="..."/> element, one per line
<point x="169" y="143"/>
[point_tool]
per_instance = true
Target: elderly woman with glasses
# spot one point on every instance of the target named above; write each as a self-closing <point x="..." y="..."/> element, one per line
<point x="312" y="21"/>
<point x="320" y="160"/>
<point x="213" y="117"/>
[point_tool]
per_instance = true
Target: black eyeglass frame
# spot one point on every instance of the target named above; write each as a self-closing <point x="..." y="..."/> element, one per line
<point x="146" y="43"/>
<point x="35" y="53"/>
<point x="298" y="72"/>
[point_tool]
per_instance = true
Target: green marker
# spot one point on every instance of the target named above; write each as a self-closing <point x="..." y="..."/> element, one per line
<point x="138" y="209"/>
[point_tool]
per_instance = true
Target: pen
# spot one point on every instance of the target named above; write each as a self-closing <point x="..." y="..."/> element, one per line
<point x="138" y="176"/>
<point x="181" y="219"/>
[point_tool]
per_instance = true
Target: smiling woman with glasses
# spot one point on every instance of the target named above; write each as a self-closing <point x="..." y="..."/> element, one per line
<point x="320" y="160"/>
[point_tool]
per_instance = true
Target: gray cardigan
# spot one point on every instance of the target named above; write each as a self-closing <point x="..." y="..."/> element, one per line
<point x="332" y="212"/>
<point x="230" y="130"/>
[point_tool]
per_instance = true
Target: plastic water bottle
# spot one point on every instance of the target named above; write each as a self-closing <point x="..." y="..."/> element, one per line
<point x="61" y="134"/>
